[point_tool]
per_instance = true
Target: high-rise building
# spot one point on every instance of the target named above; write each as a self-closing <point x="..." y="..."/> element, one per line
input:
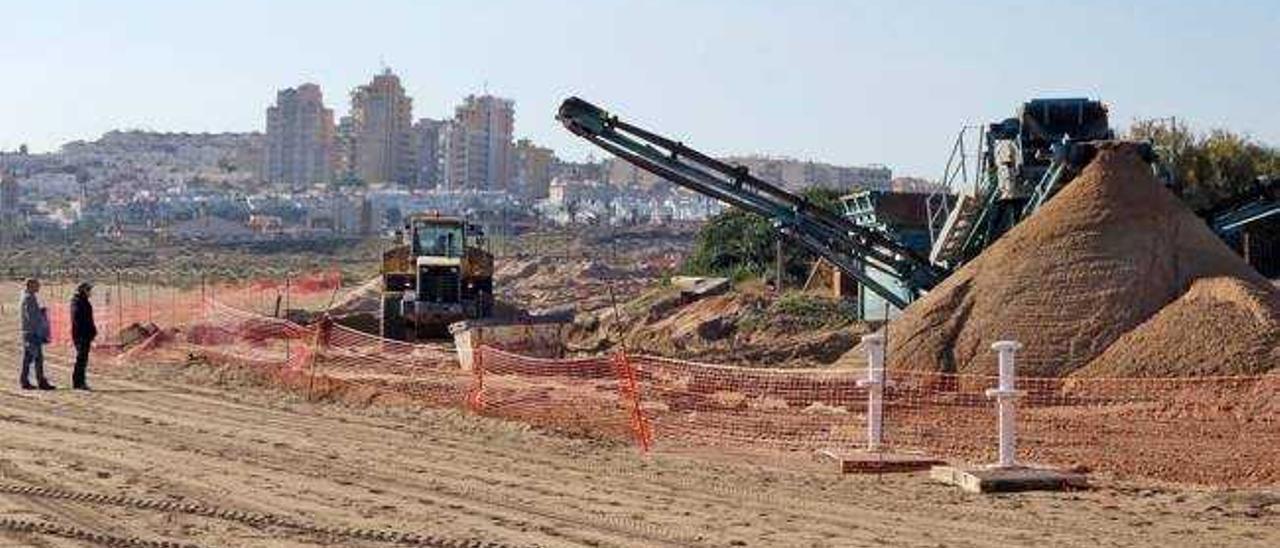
<point x="533" y="169"/>
<point x="381" y="131"/>
<point x="300" y="138"/>
<point x="427" y="135"/>
<point x="478" y="152"/>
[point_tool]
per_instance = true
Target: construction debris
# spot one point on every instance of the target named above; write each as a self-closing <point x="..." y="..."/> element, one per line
<point x="696" y="287"/>
<point x="135" y="333"/>
<point x="1009" y="480"/>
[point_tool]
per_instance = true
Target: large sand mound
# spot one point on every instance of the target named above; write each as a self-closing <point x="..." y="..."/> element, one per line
<point x="1100" y="258"/>
<point x="1222" y="326"/>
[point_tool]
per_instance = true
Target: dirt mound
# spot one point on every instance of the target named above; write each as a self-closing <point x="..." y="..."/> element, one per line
<point x="365" y="298"/>
<point x="1221" y="326"/>
<point x="1100" y="258"/>
<point x="748" y="325"/>
<point x="547" y="283"/>
<point x="699" y="323"/>
<point x="517" y="269"/>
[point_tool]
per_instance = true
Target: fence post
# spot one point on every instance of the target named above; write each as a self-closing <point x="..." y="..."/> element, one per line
<point x="119" y="310"/>
<point x="175" y="317"/>
<point x="1006" y="397"/>
<point x="629" y="390"/>
<point x="287" y="302"/>
<point x="475" y="399"/>
<point x="874" y="384"/>
<point x="323" y="331"/>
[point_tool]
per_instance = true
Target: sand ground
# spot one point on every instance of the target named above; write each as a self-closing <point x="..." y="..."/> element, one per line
<point x="161" y="434"/>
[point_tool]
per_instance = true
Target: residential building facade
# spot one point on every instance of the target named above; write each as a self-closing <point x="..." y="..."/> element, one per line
<point x="427" y="135"/>
<point x="478" y="152"/>
<point x="534" y="166"/>
<point x="798" y="174"/>
<point x="381" y="132"/>
<point x="300" y="138"/>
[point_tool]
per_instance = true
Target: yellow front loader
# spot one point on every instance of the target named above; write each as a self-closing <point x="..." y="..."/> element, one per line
<point x="437" y="273"/>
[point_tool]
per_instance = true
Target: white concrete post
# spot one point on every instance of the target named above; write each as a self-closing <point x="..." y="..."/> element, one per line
<point x="1006" y="396"/>
<point x="874" y="384"/>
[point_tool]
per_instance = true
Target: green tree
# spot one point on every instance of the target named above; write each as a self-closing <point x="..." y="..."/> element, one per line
<point x="740" y="245"/>
<point x="1208" y="168"/>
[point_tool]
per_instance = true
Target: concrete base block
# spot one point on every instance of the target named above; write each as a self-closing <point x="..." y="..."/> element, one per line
<point x="862" y="462"/>
<point x="1007" y="480"/>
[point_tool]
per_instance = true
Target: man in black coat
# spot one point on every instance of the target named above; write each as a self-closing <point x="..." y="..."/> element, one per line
<point x="83" y="331"/>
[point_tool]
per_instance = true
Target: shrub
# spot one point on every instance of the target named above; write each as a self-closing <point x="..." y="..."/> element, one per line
<point x="740" y="245"/>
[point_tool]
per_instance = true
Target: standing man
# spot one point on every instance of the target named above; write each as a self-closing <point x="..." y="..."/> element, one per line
<point x="83" y="331"/>
<point x="35" y="333"/>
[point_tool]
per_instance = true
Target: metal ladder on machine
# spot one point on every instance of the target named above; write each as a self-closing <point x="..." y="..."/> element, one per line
<point x="1061" y="170"/>
<point x="959" y="239"/>
<point x="950" y="225"/>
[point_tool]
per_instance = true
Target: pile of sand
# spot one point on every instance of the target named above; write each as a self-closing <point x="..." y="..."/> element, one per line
<point x="1099" y="259"/>
<point x="1222" y="326"/>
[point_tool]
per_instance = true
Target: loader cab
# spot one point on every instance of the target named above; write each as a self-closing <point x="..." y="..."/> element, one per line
<point x="443" y="237"/>
<point x="438" y="239"/>
<point x="437" y="246"/>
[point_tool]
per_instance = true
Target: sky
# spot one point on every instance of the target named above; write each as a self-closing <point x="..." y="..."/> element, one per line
<point x="846" y="82"/>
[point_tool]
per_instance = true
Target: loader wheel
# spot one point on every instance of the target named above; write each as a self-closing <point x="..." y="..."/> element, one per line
<point x="392" y="320"/>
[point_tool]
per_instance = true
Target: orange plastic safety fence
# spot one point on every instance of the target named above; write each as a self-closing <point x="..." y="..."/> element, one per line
<point x="1217" y="430"/>
<point x="629" y="393"/>
<point x="244" y="338"/>
<point x="693" y="403"/>
<point x="1221" y="431"/>
<point x="428" y="373"/>
<point x="116" y="308"/>
<point x="583" y="395"/>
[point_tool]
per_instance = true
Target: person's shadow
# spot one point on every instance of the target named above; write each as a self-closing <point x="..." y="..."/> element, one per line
<point x="128" y="390"/>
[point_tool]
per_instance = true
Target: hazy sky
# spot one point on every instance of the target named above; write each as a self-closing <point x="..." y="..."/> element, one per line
<point x="847" y="82"/>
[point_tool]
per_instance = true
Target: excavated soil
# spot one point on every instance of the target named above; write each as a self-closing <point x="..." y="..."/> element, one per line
<point x="590" y="269"/>
<point x="749" y="325"/>
<point x="1221" y="326"/>
<point x="1099" y="259"/>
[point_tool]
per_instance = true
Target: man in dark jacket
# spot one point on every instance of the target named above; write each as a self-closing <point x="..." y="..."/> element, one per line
<point x="83" y="331"/>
